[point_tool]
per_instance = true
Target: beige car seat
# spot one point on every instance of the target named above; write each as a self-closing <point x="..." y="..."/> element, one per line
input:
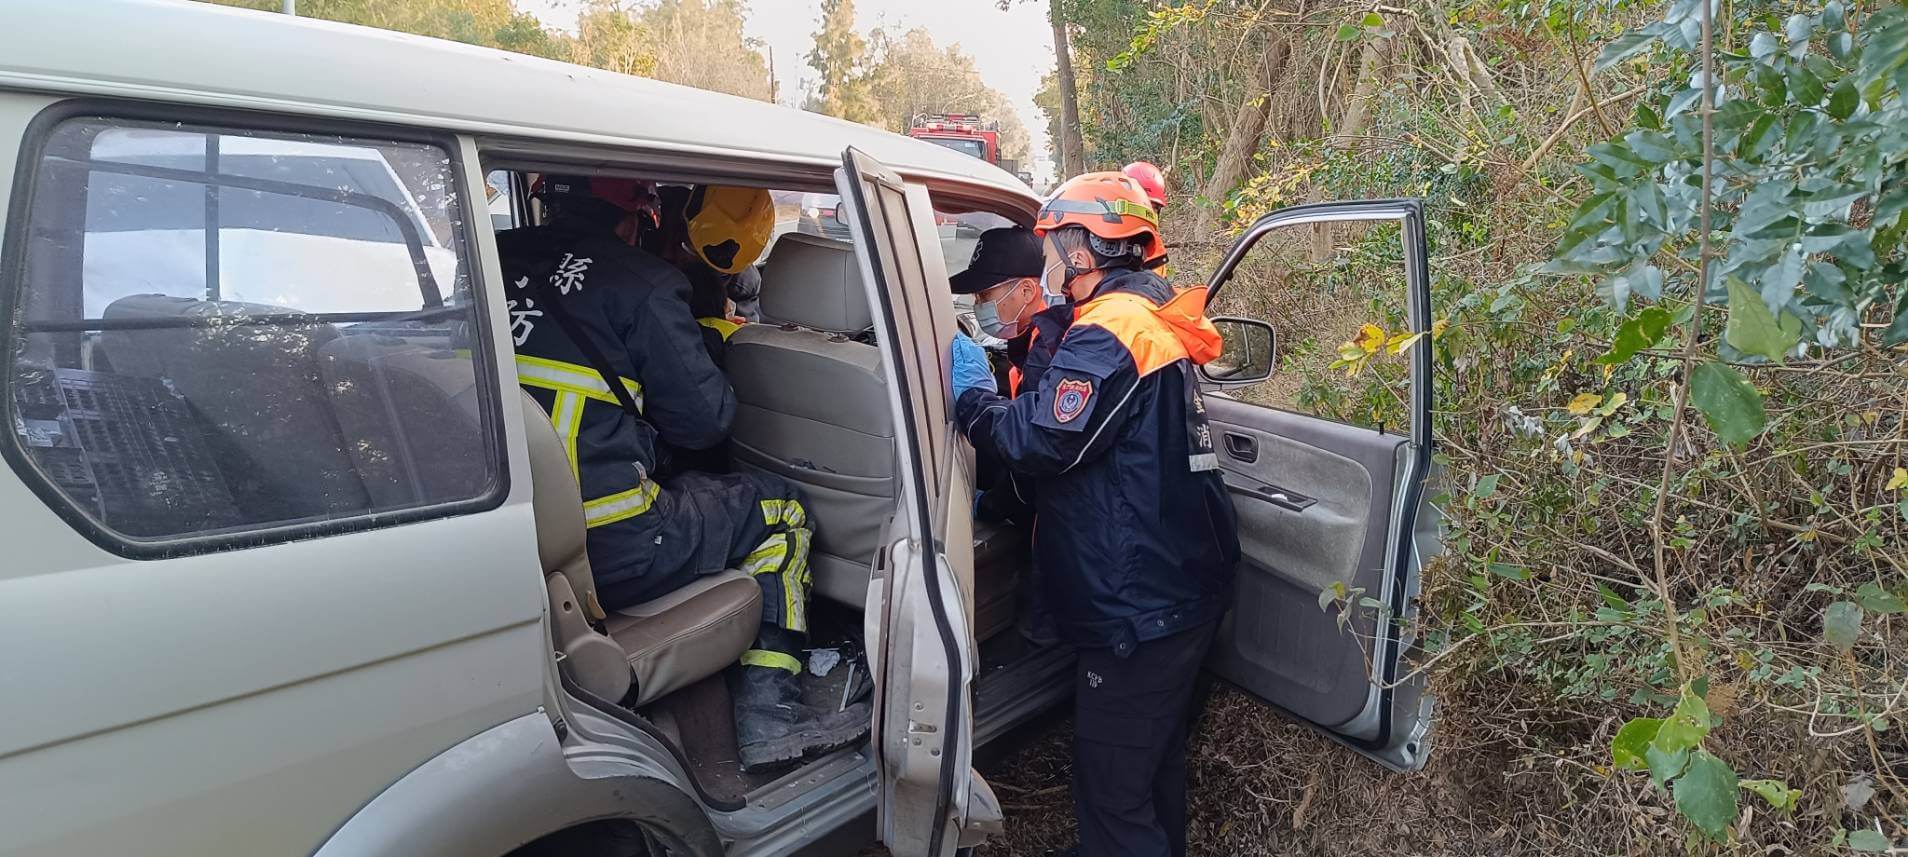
<point x="664" y="644"/>
<point x="812" y="405"/>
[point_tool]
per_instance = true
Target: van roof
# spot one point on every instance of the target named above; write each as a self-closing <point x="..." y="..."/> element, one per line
<point x="203" y="54"/>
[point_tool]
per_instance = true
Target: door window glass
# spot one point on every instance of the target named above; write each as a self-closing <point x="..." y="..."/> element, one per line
<point x="220" y="330"/>
<point x="500" y="201"/>
<point x="820" y="214"/>
<point x="1334" y="295"/>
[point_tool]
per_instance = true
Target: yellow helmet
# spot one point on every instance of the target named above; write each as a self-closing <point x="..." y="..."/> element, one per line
<point x="729" y="226"/>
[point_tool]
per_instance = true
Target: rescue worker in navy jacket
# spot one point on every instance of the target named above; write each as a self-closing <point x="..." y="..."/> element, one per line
<point x="1136" y="542"/>
<point x="587" y="306"/>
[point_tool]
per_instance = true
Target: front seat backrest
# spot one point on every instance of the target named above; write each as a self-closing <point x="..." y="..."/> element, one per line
<point x="816" y="285"/>
<point x="812" y="405"/>
<point x="591" y="659"/>
<point x="558" y="502"/>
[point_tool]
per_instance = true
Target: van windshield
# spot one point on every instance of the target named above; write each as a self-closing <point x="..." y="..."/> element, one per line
<point x="965" y="145"/>
<point x="818" y="214"/>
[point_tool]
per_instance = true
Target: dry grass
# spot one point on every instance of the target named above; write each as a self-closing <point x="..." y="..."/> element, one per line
<point x="1265" y="785"/>
<point x="1502" y="781"/>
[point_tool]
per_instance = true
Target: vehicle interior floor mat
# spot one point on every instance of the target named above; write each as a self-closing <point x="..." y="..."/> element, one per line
<point x="704" y="720"/>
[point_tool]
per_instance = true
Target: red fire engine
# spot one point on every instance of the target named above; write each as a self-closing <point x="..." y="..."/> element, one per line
<point x="962" y="132"/>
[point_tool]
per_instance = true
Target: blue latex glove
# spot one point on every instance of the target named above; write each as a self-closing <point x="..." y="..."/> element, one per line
<point x="971" y="369"/>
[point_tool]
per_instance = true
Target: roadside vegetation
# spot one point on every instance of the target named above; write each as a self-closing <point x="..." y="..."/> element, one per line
<point x="1669" y="616"/>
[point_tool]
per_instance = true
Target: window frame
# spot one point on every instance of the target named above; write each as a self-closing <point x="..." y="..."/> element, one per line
<point x="13" y="243"/>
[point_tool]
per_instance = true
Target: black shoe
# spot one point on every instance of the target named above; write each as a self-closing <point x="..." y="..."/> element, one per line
<point x="773" y="729"/>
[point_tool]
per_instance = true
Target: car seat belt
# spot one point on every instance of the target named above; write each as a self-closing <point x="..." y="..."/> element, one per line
<point x="553" y="300"/>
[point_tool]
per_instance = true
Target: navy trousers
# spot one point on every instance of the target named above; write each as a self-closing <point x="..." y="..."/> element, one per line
<point x="1131" y="716"/>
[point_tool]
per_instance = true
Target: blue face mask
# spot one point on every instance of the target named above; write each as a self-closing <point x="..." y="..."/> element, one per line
<point x="987" y="316"/>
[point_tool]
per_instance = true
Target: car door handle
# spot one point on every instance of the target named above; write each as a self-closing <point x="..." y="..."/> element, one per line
<point x="1242" y="448"/>
<point x="1291" y="501"/>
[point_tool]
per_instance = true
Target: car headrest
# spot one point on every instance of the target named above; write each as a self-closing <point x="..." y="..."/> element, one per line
<point x="815" y="283"/>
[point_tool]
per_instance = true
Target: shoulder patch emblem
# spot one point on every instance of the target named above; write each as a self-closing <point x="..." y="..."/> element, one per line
<point x="1070" y="399"/>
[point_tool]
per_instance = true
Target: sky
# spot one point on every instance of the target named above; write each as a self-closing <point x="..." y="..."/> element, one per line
<point x="1012" y="49"/>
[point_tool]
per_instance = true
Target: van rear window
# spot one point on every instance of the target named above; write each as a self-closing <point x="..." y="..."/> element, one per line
<point x="219" y="330"/>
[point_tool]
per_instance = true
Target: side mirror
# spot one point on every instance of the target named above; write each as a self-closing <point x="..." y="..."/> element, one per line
<point x="1247" y="354"/>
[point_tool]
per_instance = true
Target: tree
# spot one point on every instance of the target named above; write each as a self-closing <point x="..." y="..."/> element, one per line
<point x="1070" y="146"/>
<point x="699" y="43"/>
<point x="840" y="55"/>
<point x="1243" y="137"/>
<point x="1059" y="95"/>
<point x="489" y="23"/>
<point x="607" y="37"/>
<point x="912" y="75"/>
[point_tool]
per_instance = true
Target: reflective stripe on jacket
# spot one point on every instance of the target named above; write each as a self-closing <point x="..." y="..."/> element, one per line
<point x="634" y="307"/>
<point x="1136" y="537"/>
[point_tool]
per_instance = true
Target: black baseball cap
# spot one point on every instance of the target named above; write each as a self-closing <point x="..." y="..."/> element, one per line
<point x="1001" y="254"/>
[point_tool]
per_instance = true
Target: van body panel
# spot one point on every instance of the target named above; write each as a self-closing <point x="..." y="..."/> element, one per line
<point x="250" y="699"/>
<point x="271" y="773"/>
<point x="923" y="706"/>
<point x="389" y="689"/>
<point x="502" y="788"/>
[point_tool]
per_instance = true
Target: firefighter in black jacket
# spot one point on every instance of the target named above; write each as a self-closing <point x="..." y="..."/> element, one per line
<point x="1136" y="542"/>
<point x="585" y="307"/>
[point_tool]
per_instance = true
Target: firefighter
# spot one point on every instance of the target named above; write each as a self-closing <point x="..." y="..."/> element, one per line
<point x="606" y="343"/>
<point x="712" y="286"/>
<point x="1151" y="180"/>
<point x="720" y="281"/>
<point x="1137" y="541"/>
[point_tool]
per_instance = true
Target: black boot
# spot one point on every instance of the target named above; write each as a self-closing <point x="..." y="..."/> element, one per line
<point x="774" y="729"/>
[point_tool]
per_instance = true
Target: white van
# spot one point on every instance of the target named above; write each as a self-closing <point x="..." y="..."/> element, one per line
<point x="292" y="567"/>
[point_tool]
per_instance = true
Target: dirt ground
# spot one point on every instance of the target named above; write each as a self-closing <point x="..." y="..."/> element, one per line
<point x="1260" y="785"/>
<point x="1264" y="785"/>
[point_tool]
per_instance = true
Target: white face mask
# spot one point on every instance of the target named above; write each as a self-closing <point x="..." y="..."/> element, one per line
<point x="1051" y="292"/>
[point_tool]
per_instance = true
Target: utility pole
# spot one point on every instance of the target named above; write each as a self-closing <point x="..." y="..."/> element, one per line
<point x="775" y="86"/>
<point x="291" y="7"/>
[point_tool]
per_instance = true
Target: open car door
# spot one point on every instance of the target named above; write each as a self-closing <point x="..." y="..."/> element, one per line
<point x="929" y="802"/>
<point x="1333" y="522"/>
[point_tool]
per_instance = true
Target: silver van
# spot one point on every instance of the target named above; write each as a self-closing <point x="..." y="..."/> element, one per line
<point x="291" y="567"/>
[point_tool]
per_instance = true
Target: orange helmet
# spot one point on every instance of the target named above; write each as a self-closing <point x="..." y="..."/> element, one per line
<point x="1111" y="206"/>
<point x="1150" y="180"/>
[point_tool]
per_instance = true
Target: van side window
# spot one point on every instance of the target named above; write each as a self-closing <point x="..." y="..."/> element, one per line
<point x="218" y="330"/>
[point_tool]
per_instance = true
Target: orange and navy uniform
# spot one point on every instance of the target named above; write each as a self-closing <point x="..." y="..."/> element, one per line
<point x="1136" y="538"/>
<point x="1004" y="495"/>
<point x="1029" y="354"/>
